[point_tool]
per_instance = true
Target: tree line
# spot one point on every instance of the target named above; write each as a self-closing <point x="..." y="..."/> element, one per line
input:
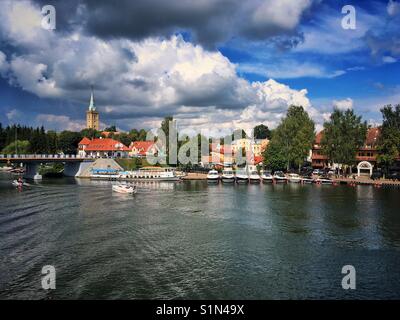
<point x="29" y="140"/>
<point x="343" y="135"/>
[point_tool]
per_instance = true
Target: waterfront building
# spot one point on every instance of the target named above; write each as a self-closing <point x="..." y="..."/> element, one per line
<point x="366" y="156"/>
<point x="255" y="146"/>
<point x="92" y="116"/>
<point x="102" y="148"/>
<point x="141" y="149"/>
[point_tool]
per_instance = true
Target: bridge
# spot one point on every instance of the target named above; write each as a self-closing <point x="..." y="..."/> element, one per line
<point x="73" y="164"/>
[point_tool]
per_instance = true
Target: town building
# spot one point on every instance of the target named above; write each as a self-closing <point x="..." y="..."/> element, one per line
<point x="227" y="155"/>
<point x="366" y="156"/>
<point x="256" y="146"/>
<point x="141" y="149"/>
<point x="102" y="148"/>
<point x="92" y="116"/>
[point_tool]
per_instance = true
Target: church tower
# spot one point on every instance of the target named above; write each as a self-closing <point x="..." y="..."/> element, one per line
<point x="92" y="116"/>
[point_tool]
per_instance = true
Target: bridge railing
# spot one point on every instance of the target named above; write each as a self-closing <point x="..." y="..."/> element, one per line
<point x="41" y="156"/>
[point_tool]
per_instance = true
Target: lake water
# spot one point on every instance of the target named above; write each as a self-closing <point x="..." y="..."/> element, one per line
<point x="193" y="240"/>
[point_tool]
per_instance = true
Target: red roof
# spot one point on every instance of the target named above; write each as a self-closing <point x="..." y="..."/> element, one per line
<point x="370" y="140"/>
<point x="318" y="137"/>
<point x="142" y="146"/>
<point x="85" y="141"/>
<point x="106" y="145"/>
<point x="372" y="136"/>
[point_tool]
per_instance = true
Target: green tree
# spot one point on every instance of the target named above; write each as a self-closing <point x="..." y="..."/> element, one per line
<point x="68" y="141"/>
<point x="344" y="134"/>
<point x="111" y="129"/>
<point x="90" y="133"/>
<point x="273" y="157"/>
<point x="142" y="135"/>
<point x="124" y="138"/>
<point x="52" y="142"/>
<point x="262" y="132"/>
<point x="21" y="147"/>
<point x="292" y="139"/>
<point x="38" y="141"/>
<point x="389" y="139"/>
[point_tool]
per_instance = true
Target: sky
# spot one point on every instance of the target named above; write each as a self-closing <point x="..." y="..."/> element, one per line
<point x="214" y="65"/>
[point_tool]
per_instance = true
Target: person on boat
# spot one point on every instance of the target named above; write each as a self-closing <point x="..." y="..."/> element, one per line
<point x="20" y="181"/>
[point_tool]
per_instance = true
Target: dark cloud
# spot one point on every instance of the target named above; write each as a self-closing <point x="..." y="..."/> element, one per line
<point x="210" y="22"/>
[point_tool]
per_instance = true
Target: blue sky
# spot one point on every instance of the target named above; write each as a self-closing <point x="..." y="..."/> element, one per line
<point x="213" y="65"/>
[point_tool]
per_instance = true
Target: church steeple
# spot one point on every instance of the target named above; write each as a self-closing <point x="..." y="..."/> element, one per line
<point x="92" y="116"/>
<point x="92" y="107"/>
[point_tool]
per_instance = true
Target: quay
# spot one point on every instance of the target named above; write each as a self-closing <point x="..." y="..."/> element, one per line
<point x="381" y="183"/>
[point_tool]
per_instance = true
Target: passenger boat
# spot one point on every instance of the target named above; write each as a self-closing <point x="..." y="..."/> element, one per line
<point x="294" y="178"/>
<point x="107" y="174"/>
<point x="213" y="176"/>
<point x="254" y="177"/>
<point x="242" y="176"/>
<point x="267" y="177"/>
<point x="228" y="176"/>
<point x="154" y="173"/>
<point x="279" y="177"/>
<point x="123" y="188"/>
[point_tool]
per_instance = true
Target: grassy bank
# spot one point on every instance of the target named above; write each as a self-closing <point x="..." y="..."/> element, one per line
<point x="132" y="163"/>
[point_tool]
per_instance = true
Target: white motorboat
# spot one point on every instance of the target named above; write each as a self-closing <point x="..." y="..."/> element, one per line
<point x="254" y="177"/>
<point x="123" y="188"/>
<point x="213" y="176"/>
<point x="279" y="177"/>
<point x="16" y="183"/>
<point x="242" y="176"/>
<point x="294" y="178"/>
<point x="267" y="177"/>
<point x="307" y="180"/>
<point x="324" y="180"/>
<point x="228" y="176"/>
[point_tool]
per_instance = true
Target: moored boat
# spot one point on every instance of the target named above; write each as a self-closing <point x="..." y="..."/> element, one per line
<point x="279" y="177"/>
<point x="154" y="173"/>
<point x="307" y="179"/>
<point x="213" y="176"/>
<point x="228" y="176"/>
<point x="254" y="177"/>
<point x="294" y="178"/>
<point x="242" y="176"/>
<point x="324" y="180"/>
<point x="267" y="177"/>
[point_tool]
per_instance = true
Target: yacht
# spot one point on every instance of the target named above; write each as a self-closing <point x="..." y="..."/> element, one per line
<point x="267" y="177"/>
<point x="254" y="177"/>
<point x="213" y="176"/>
<point x="228" y="176"/>
<point x="279" y="177"/>
<point x="294" y="178"/>
<point x="242" y="176"/>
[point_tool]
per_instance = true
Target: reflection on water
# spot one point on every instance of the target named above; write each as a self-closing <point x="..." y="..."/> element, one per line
<point x="193" y="240"/>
